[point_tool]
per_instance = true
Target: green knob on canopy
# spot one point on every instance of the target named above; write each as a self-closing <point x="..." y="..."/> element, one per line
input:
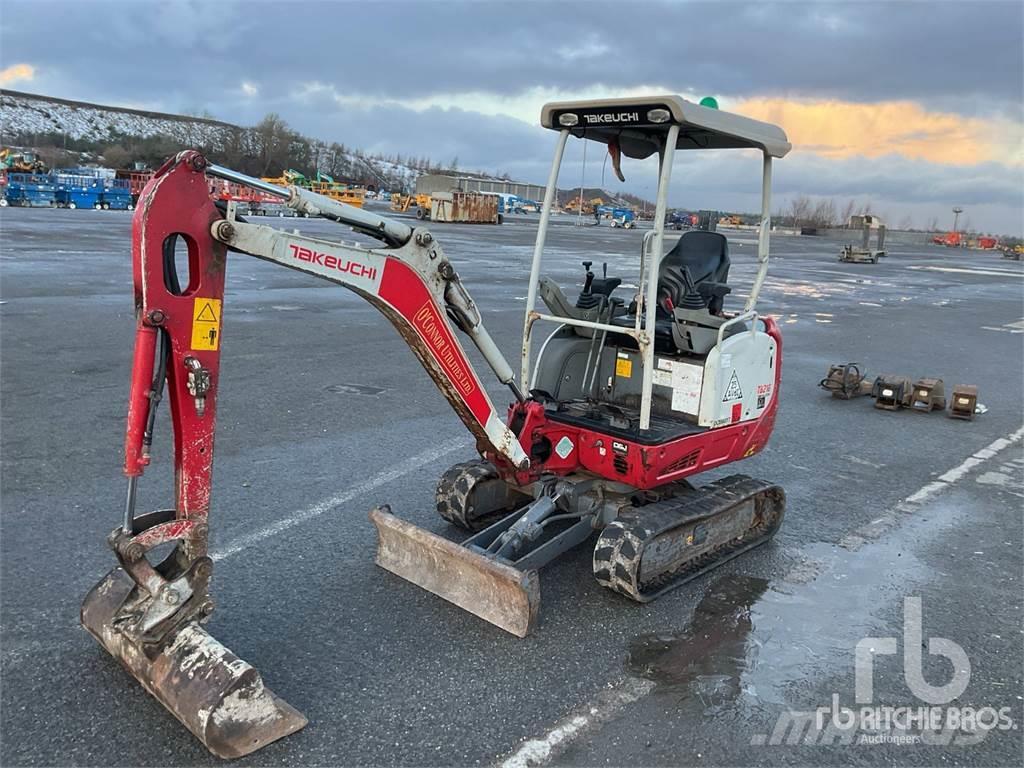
<point x="710" y="102"/>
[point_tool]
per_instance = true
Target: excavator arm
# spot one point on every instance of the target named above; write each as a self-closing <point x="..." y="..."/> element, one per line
<point x="416" y="288"/>
<point x="147" y="614"/>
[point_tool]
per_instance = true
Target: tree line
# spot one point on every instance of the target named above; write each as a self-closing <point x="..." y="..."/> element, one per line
<point x="266" y="149"/>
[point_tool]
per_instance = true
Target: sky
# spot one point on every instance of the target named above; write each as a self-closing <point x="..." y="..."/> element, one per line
<point x="909" y="107"/>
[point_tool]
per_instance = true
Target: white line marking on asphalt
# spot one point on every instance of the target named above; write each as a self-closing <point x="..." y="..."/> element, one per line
<point x="330" y="504"/>
<point x="607" y="704"/>
<point x="857" y="538"/>
<point x="997" y="273"/>
<point x="1016" y="327"/>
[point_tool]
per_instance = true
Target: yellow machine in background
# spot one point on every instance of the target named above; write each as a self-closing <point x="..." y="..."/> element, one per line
<point x="322" y="185"/>
<point x="21" y="162"/>
<point x="403" y="203"/>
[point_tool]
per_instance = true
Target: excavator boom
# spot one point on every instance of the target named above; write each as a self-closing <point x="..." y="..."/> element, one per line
<point x="148" y="614"/>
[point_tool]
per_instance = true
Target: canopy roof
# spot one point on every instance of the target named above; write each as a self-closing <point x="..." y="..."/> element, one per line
<point x="629" y="121"/>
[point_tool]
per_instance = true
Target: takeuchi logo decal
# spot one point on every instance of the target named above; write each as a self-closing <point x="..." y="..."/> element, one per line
<point x="433" y="330"/>
<point x="330" y="261"/>
<point x="613" y="117"/>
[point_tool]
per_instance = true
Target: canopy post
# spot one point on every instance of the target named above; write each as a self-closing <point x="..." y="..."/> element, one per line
<point x="763" y="234"/>
<point x="538" y="252"/>
<point x="650" y="305"/>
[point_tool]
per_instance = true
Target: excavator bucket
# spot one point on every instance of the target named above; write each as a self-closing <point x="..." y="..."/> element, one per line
<point x="215" y="694"/>
<point x="496" y="592"/>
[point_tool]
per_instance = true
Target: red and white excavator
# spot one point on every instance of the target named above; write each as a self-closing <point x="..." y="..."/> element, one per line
<point x="627" y="398"/>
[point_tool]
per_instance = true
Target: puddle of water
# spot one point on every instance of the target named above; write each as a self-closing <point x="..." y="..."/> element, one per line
<point x="751" y="640"/>
<point x="709" y="657"/>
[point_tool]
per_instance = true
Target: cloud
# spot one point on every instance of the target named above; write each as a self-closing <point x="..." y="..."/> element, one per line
<point x="841" y="129"/>
<point x="917" y="104"/>
<point x="524" y="106"/>
<point x="964" y="52"/>
<point x="591" y="48"/>
<point x="16" y="73"/>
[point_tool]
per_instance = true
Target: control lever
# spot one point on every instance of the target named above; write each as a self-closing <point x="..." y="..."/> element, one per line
<point x="589" y="281"/>
<point x="692" y="299"/>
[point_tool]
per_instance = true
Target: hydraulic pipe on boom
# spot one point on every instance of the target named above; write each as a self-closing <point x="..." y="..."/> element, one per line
<point x="395" y="234"/>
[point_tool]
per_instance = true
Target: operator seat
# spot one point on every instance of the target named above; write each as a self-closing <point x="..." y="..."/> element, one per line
<point x="706" y="256"/>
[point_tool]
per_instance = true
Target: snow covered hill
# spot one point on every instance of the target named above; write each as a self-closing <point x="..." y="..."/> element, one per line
<point x="26" y="113"/>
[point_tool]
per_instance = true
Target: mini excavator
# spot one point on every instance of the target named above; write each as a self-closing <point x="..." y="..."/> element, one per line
<point x="626" y="400"/>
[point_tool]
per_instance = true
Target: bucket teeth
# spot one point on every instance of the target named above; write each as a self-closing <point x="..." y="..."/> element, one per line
<point x="494" y="591"/>
<point x="215" y="694"/>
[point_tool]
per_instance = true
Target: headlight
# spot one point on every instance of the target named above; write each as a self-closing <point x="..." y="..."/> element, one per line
<point x="568" y="120"/>
<point x="886" y="393"/>
<point x="659" y="115"/>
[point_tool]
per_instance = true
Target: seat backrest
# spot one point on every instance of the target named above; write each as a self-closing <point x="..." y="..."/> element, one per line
<point x="705" y="254"/>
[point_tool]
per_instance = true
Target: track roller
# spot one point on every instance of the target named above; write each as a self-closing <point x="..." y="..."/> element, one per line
<point x="656" y="547"/>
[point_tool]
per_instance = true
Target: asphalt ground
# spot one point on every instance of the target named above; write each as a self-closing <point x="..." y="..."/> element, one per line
<point x="323" y="413"/>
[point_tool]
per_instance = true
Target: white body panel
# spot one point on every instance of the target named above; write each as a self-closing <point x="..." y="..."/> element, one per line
<point x="739" y="379"/>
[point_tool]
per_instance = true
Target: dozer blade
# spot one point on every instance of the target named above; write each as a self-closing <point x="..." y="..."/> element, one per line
<point x="496" y="592"/>
<point x="215" y="694"/>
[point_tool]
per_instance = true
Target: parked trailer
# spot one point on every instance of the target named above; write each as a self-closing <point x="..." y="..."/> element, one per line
<point x="30" y="190"/>
<point x="465" y="208"/>
<point x="137" y="180"/>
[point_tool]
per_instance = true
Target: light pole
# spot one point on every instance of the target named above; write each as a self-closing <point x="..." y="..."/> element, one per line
<point x="956" y="217"/>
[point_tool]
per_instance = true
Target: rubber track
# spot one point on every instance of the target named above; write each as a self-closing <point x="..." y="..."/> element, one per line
<point x="618" y="554"/>
<point x="454" y="489"/>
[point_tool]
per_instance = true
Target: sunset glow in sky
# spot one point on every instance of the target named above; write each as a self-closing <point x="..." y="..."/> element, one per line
<point x="910" y="107"/>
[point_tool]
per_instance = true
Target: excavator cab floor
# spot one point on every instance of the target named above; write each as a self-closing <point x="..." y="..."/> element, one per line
<point x="621" y="422"/>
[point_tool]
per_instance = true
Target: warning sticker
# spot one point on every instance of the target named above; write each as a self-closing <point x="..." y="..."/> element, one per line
<point x="733" y="391"/>
<point x="564" y="447"/>
<point x="206" y="324"/>
<point x="687" y="380"/>
<point x="663" y="378"/>
<point x="624" y="368"/>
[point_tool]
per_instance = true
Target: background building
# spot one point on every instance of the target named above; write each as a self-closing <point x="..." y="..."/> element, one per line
<point x="431" y="183"/>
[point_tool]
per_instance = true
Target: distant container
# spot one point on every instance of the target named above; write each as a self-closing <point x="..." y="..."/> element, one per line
<point x="464" y="208"/>
<point x="137" y="180"/>
<point x="30" y="190"/>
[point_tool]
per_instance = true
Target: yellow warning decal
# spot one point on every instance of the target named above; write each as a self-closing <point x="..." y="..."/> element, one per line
<point x="624" y="368"/>
<point x="206" y="324"/>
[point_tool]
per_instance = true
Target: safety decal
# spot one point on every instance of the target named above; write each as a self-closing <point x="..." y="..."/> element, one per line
<point x="624" y="368"/>
<point x="564" y="447"/>
<point x="206" y="324"/>
<point x="733" y="391"/>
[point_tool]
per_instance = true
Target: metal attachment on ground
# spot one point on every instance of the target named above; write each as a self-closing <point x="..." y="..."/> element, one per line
<point x="963" y="402"/>
<point x="928" y="395"/>
<point x="845" y="381"/>
<point x="891" y="392"/>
